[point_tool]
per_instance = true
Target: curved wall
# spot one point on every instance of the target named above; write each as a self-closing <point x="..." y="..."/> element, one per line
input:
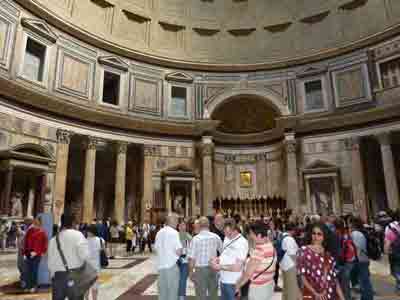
<point x="225" y="34"/>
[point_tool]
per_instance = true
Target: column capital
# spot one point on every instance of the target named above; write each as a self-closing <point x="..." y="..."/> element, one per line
<point x="64" y="136"/>
<point x="291" y="146"/>
<point x="91" y="143"/>
<point x="354" y="143"/>
<point x="151" y="150"/>
<point x="121" y="147"/>
<point x="384" y="138"/>
<point x="207" y="149"/>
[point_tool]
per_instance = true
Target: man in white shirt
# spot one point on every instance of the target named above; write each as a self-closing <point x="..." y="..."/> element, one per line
<point x="288" y="264"/>
<point x="203" y="249"/>
<point x="234" y="251"/>
<point x="168" y="247"/>
<point x="76" y="251"/>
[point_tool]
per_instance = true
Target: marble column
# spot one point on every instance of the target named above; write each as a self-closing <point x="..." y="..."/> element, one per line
<point x="193" y="198"/>
<point x="293" y="192"/>
<point x="6" y="210"/>
<point x="63" y="141"/>
<point x="89" y="179"/>
<point x="120" y="182"/>
<point x="358" y="180"/>
<point x="147" y="199"/>
<point x="392" y="189"/>
<point x="207" y="149"/>
<point x="31" y="197"/>
<point x="168" y="196"/>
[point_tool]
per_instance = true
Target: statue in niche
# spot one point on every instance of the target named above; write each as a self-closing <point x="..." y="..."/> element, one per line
<point x="16" y="205"/>
<point x="178" y="203"/>
<point x="322" y="195"/>
<point x="206" y="114"/>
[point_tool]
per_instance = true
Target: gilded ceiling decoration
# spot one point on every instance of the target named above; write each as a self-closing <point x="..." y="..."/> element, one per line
<point x="244" y="115"/>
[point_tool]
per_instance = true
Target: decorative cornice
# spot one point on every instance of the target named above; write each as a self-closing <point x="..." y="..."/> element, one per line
<point x="41" y="28"/>
<point x="114" y="62"/>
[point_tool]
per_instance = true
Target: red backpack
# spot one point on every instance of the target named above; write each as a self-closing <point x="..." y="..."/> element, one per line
<point x="348" y="251"/>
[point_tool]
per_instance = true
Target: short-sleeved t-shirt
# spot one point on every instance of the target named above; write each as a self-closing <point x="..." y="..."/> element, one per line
<point x="264" y="254"/>
<point x="389" y="234"/>
<point x="233" y="250"/>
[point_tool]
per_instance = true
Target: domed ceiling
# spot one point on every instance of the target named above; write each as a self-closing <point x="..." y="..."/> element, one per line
<point x="223" y="32"/>
<point x="244" y="115"/>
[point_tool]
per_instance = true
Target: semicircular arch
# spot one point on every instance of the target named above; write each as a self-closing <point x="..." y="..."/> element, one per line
<point x="34" y="149"/>
<point x="270" y="97"/>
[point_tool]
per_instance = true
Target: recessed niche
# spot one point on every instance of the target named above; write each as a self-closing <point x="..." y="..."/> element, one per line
<point x="278" y="27"/>
<point x="111" y="87"/>
<point x="241" y="31"/>
<point x="205" y="31"/>
<point x="34" y="61"/>
<point x="315" y="18"/>
<point x="353" y="4"/>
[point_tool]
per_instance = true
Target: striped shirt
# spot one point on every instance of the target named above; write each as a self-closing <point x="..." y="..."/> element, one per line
<point x="264" y="254"/>
<point x="204" y="247"/>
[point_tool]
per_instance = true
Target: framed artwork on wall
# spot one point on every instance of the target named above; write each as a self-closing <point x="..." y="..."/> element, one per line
<point x="246" y="179"/>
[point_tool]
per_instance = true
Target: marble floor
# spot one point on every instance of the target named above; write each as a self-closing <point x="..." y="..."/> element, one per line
<point x="135" y="277"/>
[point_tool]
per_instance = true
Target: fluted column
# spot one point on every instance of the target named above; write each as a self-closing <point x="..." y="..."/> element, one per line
<point x="89" y="179"/>
<point x="5" y="207"/>
<point x="358" y="183"/>
<point x="120" y="182"/>
<point x="193" y="198"/>
<point x="392" y="190"/>
<point x="292" y="195"/>
<point x="207" y="149"/>
<point x="168" y="196"/>
<point x="63" y="141"/>
<point x="147" y="199"/>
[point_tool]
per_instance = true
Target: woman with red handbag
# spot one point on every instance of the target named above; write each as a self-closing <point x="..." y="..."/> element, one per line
<point x="316" y="268"/>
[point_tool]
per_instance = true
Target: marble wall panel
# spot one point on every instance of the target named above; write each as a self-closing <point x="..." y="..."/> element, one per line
<point x="8" y="24"/>
<point x="146" y="94"/>
<point x="350" y="85"/>
<point x="75" y="71"/>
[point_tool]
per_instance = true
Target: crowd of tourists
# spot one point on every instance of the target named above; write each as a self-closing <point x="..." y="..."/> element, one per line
<point x="321" y="258"/>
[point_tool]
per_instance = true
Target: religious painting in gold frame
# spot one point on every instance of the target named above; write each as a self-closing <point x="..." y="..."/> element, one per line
<point x="246" y="179"/>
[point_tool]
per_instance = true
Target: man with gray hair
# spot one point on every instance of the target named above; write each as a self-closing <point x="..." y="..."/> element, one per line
<point x="203" y="249"/>
<point x="168" y="247"/>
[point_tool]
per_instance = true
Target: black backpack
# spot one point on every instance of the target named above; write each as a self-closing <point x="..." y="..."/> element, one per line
<point x="395" y="246"/>
<point x="374" y="250"/>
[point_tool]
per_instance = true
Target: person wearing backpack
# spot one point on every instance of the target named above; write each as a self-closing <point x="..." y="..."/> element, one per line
<point x="347" y="257"/>
<point x="360" y="241"/>
<point x="392" y="248"/>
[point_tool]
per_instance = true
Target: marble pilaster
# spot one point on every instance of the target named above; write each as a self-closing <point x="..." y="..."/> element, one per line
<point x="63" y="141"/>
<point x="293" y="192"/>
<point x="207" y="150"/>
<point x="392" y="190"/>
<point x="358" y="180"/>
<point x="120" y="182"/>
<point x="89" y="179"/>
<point x="147" y="199"/>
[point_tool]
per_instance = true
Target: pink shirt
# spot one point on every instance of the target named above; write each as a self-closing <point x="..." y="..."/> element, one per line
<point x="389" y="234"/>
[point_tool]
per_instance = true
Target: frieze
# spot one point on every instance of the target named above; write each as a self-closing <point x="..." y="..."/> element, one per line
<point x="152" y="150"/>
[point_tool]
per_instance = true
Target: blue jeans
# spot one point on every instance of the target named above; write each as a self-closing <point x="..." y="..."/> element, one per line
<point x="227" y="291"/>
<point x="344" y="279"/>
<point x="367" y="292"/>
<point x="395" y="271"/>
<point x="32" y="268"/>
<point x="183" y="276"/>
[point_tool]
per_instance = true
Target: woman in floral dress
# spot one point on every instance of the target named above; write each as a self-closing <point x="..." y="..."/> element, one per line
<point x="316" y="268"/>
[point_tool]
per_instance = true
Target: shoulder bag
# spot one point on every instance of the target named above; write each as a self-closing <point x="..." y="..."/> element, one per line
<point x="244" y="290"/>
<point x="78" y="280"/>
<point x="103" y="255"/>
